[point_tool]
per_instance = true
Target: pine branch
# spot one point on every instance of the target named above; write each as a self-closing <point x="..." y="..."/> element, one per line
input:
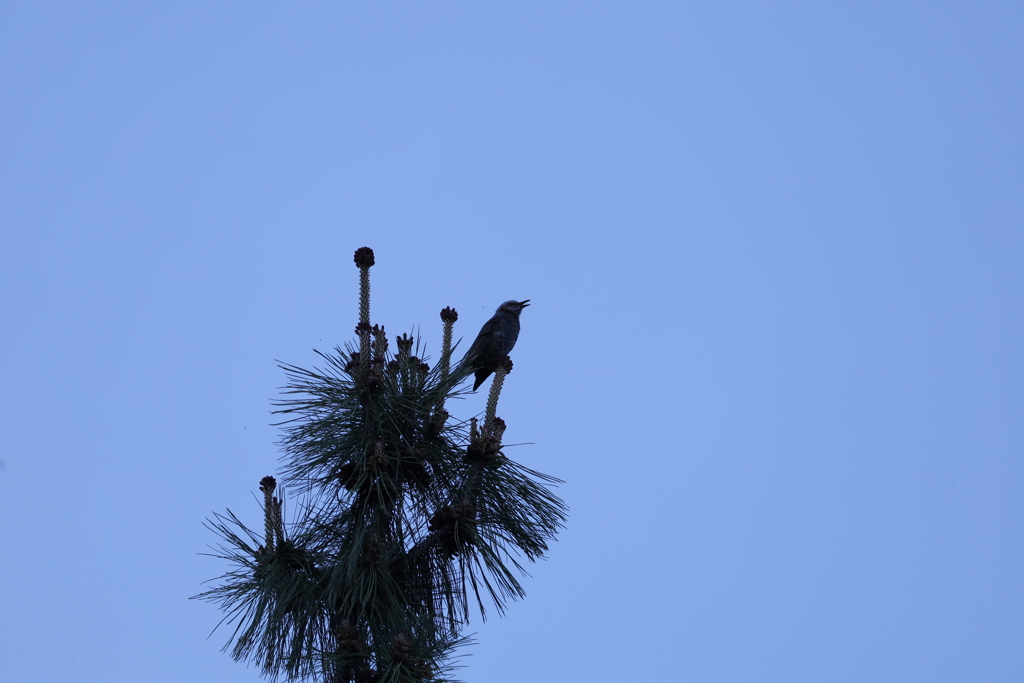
<point x="408" y="518"/>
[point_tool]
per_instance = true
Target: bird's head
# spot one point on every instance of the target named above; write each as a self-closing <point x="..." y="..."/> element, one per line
<point x="514" y="307"/>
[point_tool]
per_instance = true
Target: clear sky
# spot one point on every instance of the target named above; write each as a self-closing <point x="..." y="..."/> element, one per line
<point x="776" y="258"/>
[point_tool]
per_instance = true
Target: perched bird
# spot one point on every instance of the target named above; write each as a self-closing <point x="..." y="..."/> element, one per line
<point x="495" y="341"/>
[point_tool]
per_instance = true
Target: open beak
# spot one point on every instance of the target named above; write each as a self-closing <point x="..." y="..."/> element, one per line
<point x="524" y="304"/>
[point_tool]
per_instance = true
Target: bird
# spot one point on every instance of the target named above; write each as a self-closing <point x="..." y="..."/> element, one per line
<point x="495" y="341"/>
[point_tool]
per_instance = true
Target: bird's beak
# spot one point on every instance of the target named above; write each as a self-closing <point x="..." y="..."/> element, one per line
<point x="524" y="304"/>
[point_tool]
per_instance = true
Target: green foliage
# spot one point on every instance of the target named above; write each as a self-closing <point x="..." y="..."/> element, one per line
<point x="409" y="519"/>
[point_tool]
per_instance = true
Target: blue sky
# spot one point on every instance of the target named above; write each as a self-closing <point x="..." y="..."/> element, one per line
<point x="775" y="257"/>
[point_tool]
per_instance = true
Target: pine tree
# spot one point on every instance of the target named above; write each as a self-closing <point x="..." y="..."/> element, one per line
<point x="409" y="519"/>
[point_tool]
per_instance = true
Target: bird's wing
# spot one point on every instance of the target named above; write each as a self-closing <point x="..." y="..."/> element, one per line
<point x="482" y="340"/>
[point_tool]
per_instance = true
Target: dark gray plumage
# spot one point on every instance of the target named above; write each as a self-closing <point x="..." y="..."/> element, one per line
<point x="495" y="341"/>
